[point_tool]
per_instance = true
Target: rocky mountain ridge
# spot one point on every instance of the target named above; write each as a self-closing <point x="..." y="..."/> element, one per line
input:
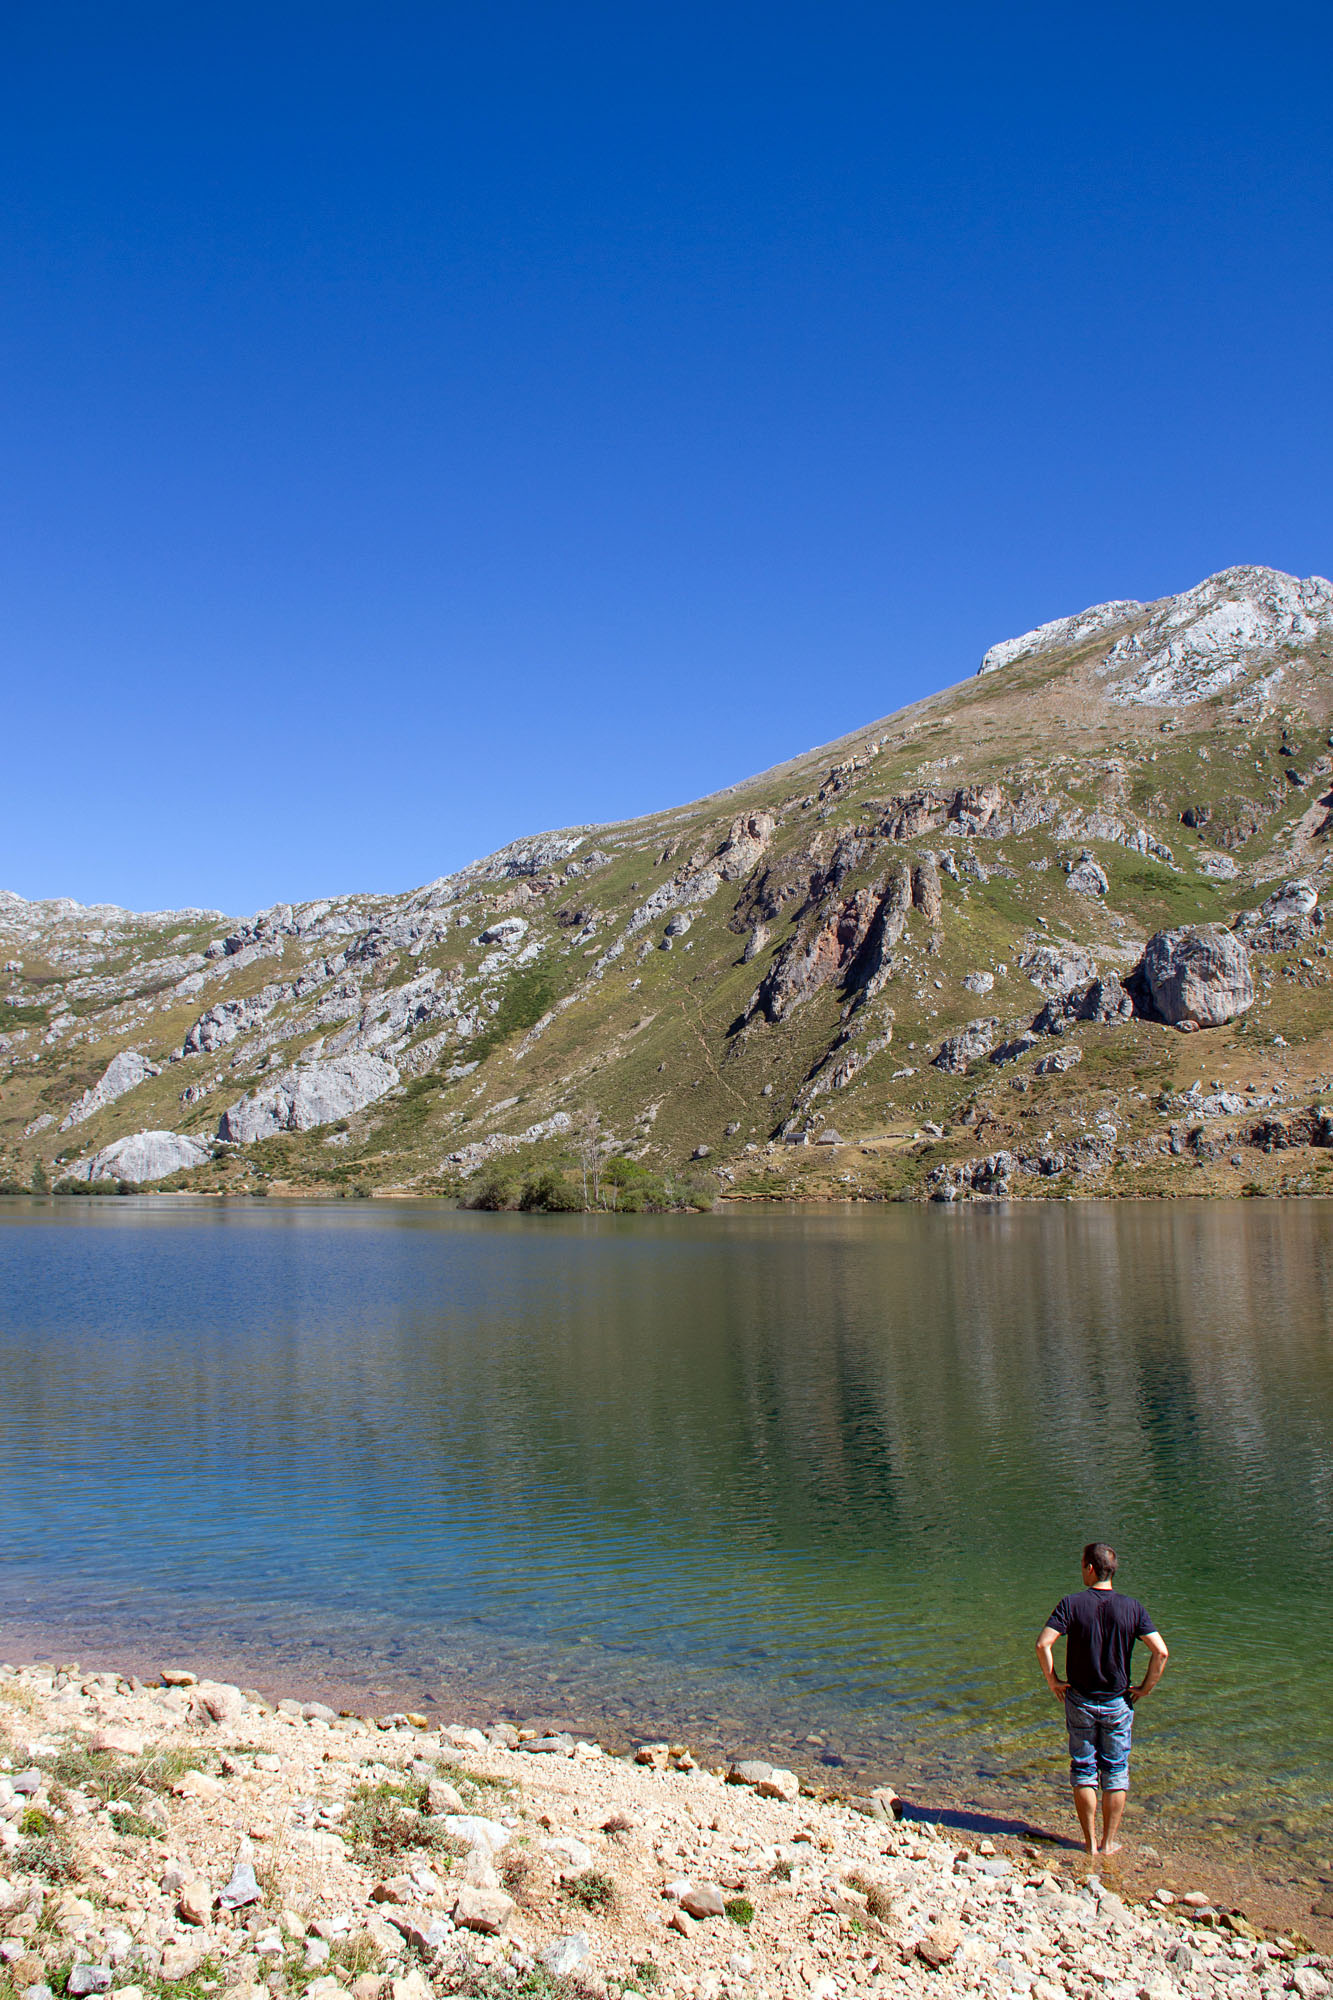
<point x="1117" y="828"/>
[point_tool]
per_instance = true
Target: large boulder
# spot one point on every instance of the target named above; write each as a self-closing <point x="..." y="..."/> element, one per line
<point x="222" y="1024"/>
<point x="124" y="1072"/>
<point x="1102" y="999"/>
<point x="1290" y="916"/>
<point x="144" y="1156"/>
<point x="1198" y="977"/>
<point x="967" y="1046"/>
<point x="304" y="1098"/>
<point x="1056" y="967"/>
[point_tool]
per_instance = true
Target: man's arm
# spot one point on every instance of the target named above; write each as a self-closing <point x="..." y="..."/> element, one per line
<point x="1157" y="1659"/>
<point x="1046" y="1639"/>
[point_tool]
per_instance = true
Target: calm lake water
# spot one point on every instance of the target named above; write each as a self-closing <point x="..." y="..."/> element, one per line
<point x="803" y="1481"/>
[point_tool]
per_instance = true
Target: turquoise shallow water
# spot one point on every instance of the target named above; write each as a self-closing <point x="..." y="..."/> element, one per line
<point x="757" y="1478"/>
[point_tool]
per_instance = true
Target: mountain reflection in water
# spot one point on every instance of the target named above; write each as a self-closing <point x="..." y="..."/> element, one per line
<point x="762" y="1476"/>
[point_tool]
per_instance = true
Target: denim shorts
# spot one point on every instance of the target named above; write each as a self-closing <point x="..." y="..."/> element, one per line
<point x="1099" y="1733"/>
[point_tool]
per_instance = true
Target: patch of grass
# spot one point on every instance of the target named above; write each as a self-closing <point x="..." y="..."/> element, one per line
<point x="879" y="1903"/>
<point x="740" y="1909"/>
<point x="131" y="1825"/>
<point x="483" y="1982"/>
<point x="383" y="1822"/>
<point x="45" y="1848"/>
<point x="592" y="1890"/>
<point x="473" y="1786"/>
<point x="647" y="1974"/>
<point x="529" y="993"/>
<point x="781" y="1870"/>
<point x="21" y="1017"/>
<point x="204" y="1983"/>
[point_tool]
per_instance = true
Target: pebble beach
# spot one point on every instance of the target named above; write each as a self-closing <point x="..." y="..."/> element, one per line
<point x="190" y="1838"/>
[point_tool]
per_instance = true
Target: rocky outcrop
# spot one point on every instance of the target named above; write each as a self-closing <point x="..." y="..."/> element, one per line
<point x="1184" y="649"/>
<point x="968" y="1045"/>
<point x="851" y="945"/>
<point x="123" y="1073"/>
<point x="745" y="844"/>
<point x="1058" y="634"/>
<point x="927" y="895"/>
<point x="223" y="1023"/>
<point x="1290" y="916"/>
<point x="1198" y="977"/>
<point x="307" y="1097"/>
<point x="144" y="1156"/>
<point x="1057" y="968"/>
<point x="1087" y="877"/>
<point x="1193" y="646"/>
<point x="1103" y="999"/>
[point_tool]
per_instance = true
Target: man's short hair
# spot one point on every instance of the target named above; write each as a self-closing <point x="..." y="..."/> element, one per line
<point x="1100" y="1557"/>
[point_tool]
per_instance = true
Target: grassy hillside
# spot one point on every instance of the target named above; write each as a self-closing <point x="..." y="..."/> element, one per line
<point x="585" y="1034"/>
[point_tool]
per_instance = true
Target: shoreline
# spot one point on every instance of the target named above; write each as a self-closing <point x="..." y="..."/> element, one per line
<point x="1034" y="1828"/>
<point x="189" y="1838"/>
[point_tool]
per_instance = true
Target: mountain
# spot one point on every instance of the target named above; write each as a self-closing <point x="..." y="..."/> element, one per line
<point x="1054" y="930"/>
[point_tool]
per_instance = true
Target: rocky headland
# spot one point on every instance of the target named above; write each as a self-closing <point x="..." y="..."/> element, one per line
<point x="191" y="1839"/>
<point x="1058" y="930"/>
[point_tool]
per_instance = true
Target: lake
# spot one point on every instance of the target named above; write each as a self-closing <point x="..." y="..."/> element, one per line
<point x="800" y="1481"/>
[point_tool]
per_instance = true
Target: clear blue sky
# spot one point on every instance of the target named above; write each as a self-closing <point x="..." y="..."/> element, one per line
<point x="422" y="424"/>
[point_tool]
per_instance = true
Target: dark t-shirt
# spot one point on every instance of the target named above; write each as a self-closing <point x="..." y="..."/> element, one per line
<point x="1100" y="1627"/>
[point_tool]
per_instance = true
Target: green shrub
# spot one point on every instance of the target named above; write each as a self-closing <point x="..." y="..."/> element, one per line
<point x="529" y="993"/>
<point x="592" y="1889"/>
<point x="382" y="1822"/>
<point x="549" y="1192"/>
<point x="635" y="1189"/>
<point x="495" y="1190"/>
<point x="740" y="1909"/>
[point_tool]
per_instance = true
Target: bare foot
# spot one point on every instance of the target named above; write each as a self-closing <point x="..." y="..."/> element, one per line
<point x="1111" y="1847"/>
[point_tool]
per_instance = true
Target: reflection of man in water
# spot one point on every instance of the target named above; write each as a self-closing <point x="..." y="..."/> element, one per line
<point x="1099" y="1627"/>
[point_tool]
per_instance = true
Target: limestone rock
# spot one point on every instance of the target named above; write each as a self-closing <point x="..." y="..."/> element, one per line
<point x="566" y="1954"/>
<point x="195" y="1903"/>
<point x="222" y="1024"/>
<point x="442" y="1798"/>
<point x="242" y="1889"/>
<point x="780" y="1784"/>
<point x="124" y="1072"/>
<point x="306" y="1097"/>
<point x="1057" y="968"/>
<point x="1059" y="633"/>
<point x="705" y="1901"/>
<point x="1087" y="877"/>
<point x="927" y="895"/>
<point x="144" y="1156"/>
<point x="180" y="1960"/>
<point x="968" y="1045"/>
<point x="1224" y="630"/>
<point x="1197" y="977"/>
<point x="940" y="1944"/>
<point x="117" y="1742"/>
<point x="216" y="1701"/>
<point x="1055" y="1065"/>
<point x="1103" y="999"/>
<point x="471" y="1829"/>
<point x="84" y="1979"/>
<point x="750" y="1771"/>
<point x="486" y="1910"/>
<point x="569" y="1854"/>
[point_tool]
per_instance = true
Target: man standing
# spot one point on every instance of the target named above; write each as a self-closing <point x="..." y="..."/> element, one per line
<point x="1099" y="1627"/>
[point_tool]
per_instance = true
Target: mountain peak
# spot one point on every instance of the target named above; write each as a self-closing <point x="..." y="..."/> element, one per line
<point x="1232" y="627"/>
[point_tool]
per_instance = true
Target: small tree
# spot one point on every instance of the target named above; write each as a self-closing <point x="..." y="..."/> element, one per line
<point x="40" y="1183"/>
<point x="588" y="1138"/>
